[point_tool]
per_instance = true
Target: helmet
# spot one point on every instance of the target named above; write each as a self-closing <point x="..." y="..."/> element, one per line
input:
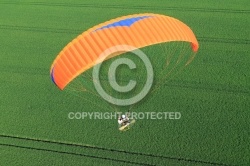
<point x="123" y="116"/>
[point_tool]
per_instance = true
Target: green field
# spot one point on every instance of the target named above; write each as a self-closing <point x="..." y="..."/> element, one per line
<point x="212" y="93"/>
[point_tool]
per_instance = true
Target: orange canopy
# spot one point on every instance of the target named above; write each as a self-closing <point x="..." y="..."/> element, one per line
<point x="137" y="30"/>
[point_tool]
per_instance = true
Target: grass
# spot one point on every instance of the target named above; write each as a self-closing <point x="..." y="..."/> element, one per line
<point x="212" y="93"/>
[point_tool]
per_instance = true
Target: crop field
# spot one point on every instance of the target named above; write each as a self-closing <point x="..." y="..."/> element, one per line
<point x="212" y="93"/>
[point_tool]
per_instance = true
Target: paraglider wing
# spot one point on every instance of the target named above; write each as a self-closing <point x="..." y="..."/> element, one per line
<point x="137" y="30"/>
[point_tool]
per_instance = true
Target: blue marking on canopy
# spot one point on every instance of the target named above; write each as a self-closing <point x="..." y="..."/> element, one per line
<point x="52" y="76"/>
<point x="126" y="22"/>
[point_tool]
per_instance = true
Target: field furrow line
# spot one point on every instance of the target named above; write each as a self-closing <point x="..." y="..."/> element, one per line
<point x="130" y="7"/>
<point x="76" y="154"/>
<point x="180" y="159"/>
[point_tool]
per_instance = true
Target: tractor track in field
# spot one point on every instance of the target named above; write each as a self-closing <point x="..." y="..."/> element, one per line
<point x="77" y="32"/>
<point x="39" y="29"/>
<point x="209" y="87"/>
<point x="223" y="40"/>
<point x="103" y="149"/>
<point x="128" y="7"/>
<point x="75" y="154"/>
